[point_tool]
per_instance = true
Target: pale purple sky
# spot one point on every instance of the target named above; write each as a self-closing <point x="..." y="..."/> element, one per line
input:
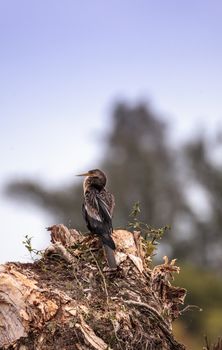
<point x="64" y="63"/>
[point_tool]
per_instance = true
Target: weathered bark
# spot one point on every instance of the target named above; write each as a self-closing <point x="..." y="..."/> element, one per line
<point x="69" y="299"/>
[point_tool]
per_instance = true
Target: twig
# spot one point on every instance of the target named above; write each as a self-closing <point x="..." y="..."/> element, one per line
<point x="103" y="278"/>
<point x="190" y="307"/>
<point x="107" y="297"/>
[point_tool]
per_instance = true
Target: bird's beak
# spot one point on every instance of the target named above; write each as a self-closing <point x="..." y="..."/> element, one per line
<point x="85" y="174"/>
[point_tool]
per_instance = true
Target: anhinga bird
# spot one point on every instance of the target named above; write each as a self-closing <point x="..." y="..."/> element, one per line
<point x="98" y="210"/>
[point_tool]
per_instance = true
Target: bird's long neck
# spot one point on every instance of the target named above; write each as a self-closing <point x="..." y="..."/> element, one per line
<point x="94" y="183"/>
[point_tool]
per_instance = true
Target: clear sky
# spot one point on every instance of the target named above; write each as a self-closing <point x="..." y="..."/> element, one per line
<point x="64" y="63"/>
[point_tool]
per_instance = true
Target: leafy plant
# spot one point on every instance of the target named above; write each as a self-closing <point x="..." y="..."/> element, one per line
<point x="28" y="245"/>
<point x="151" y="235"/>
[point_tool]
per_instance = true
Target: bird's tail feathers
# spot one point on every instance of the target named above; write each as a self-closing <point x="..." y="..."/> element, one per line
<point x="110" y="256"/>
<point x="107" y="240"/>
<point x="109" y="247"/>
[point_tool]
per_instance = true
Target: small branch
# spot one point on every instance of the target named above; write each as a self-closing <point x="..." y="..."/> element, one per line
<point x="190" y="308"/>
<point x="103" y="277"/>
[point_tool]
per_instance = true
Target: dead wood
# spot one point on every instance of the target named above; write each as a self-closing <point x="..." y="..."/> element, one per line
<point x="68" y="299"/>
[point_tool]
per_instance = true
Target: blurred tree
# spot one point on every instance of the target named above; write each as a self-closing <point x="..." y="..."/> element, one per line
<point x="143" y="166"/>
<point x="206" y="173"/>
<point x="63" y="204"/>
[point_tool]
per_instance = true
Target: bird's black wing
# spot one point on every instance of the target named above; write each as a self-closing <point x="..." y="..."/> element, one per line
<point x="108" y="200"/>
<point x="98" y="206"/>
<point x="98" y="217"/>
<point x="104" y="210"/>
<point x="91" y="205"/>
<point x="97" y="214"/>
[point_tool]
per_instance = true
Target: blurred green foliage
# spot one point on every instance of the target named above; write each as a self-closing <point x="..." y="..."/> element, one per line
<point x="204" y="290"/>
<point x="151" y="235"/>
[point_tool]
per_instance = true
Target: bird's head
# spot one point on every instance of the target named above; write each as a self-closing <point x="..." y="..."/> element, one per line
<point x="95" y="178"/>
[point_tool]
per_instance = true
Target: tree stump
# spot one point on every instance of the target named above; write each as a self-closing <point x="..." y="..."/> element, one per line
<point x="70" y="300"/>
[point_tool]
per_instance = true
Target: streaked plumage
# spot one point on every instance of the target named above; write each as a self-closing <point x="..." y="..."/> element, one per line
<point x="98" y="210"/>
